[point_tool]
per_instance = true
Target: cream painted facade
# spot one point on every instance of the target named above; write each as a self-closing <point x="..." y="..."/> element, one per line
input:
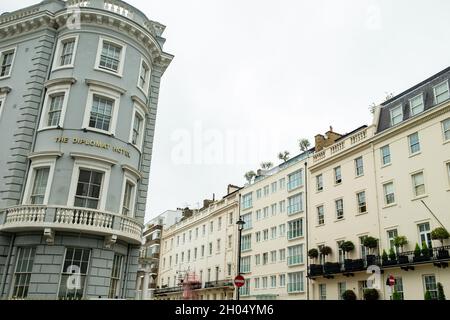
<point x="387" y="158"/>
<point x="201" y="248"/>
<point x="274" y="264"/>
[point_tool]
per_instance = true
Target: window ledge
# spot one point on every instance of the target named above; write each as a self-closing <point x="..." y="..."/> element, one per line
<point x="5" y="77"/>
<point x="69" y="66"/>
<point x="446" y="141"/>
<point x="361" y="213"/>
<point x="320" y="225"/>
<point x="117" y="74"/>
<point x="339" y="220"/>
<point x="386" y="165"/>
<point x="415" y="154"/>
<point x="419" y="197"/>
<point x="389" y="205"/>
<point x="337" y="184"/>
<point x="361" y="175"/>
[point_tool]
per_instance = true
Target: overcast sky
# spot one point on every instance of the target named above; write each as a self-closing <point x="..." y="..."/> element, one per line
<point x="251" y="77"/>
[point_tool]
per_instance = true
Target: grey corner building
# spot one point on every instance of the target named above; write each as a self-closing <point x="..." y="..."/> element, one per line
<point x="79" y="85"/>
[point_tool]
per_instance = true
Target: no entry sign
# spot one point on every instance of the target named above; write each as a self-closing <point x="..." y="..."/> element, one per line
<point x="239" y="281"/>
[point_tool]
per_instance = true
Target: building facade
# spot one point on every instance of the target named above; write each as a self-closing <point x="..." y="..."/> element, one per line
<point x="150" y="252"/>
<point x="198" y="254"/>
<point x="79" y="90"/>
<point x="393" y="182"/>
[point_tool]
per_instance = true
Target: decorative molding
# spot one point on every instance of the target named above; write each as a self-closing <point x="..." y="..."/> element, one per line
<point x="59" y="81"/>
<point x="110" y="241"/>
<point x="45" y="154"/>
<point x="86" y="156"/>
<point x="5" y="90"/>
<point x="141" y="103"/>
<point x="132" y="170"/>
<point x="49" y="236"/>
<point x="106" y="85"/>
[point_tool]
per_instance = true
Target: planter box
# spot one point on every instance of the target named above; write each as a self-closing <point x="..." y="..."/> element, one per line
<point x="348" y="265"/>
<point x="443" y="254"/>
<point x="403" y="259"/>
<point x="389" y="262"/>
<point x="332" y="267"/>
<point x="371" y="259"/>
<point x="315" y="269"/>
<point x="421" y="258"/>
<point x="358" y="265"/>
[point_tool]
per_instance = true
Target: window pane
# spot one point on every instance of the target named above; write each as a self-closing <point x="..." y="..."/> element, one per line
<point x="39" y="186"/>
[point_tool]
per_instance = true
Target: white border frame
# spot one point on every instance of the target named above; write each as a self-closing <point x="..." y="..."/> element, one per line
<point x="101" y="41"/>
<point x="43" y="162"/>
<point x="410" y="105"/>
<point x="385" y="204"/>
<point x="2" y="103"/>
<point x="408" y="138"/>
<point x="400" y="106"/>
<point x="434" y="90"/>
<point x="90" y="165"/>
<point x="414" y="196"/>
<point x="110" y="94"/>
<point x="442" y="127"/>
<point x="2" y="52"/>
<point x="128" y="177"/>
<point x="54" y="90"/>
<point x="146" y="90"/>
<point x="140" y="110"/>
<point x="56" y="61"/>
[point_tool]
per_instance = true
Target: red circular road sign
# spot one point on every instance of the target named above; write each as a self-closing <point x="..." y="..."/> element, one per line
<point x="239" y="281"/>
<point x="391" y="280"/>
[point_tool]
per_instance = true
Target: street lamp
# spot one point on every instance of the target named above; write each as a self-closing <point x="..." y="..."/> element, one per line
<point x="240" y="223"/>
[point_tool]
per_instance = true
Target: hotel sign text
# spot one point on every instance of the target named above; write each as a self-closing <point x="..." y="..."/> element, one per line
<point x="94" y="143"/>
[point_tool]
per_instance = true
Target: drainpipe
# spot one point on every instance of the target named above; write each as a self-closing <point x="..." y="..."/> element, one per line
<point x="307" y="228"/>
<point x="8" y="262"/>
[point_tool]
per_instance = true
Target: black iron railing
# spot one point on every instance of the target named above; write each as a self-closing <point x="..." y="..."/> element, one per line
<point x="218" y="284"/>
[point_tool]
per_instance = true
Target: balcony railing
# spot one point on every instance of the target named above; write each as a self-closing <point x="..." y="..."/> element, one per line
<point x="219" y="284"/>
<point x="70" y="219"/>
<point x="439" y="256"/>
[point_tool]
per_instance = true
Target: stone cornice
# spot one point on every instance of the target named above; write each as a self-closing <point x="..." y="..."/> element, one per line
<point x="106" y="85"/>
<point x="59" y="81"/>
<point x="132" y="170"/>
<point x="45" y="154"/>
<point x="27" y="24"/>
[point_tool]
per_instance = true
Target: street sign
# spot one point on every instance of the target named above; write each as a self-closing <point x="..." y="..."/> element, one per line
<point x="239" y="281"/>
<point x="391" y="281"/>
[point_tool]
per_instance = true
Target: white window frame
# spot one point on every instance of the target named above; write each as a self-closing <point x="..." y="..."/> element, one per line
<point x="342" y="216"/>
<point x="411" y="152"/>
<point x="391" y="114"/>
<point x="101" y="41"/>
<point x="318" y="216"/>
<point x="414" y="186"/>
<point x="335" y="176"/>
<point x="59" y="47"/>
<point x="44" y="162"/>
<point x="361" y="167"/>
<point x="145" y="91"/>
<point x="434" y="90"/>
<point x="411" y="114"/>
<point x="52" y="91"/>
<point x="382" y="155"/>
<point x="140" y="110"/>
<point x="384" y="193"/>
<point x="358" y="204"/>
<point x="110" y="94"/>
<point x="90" y="164"/>
<point x="130" y="178"/>
<point x="442" y="124"/>
<point x="7" y="50"/>
<point x="2" y="103"/>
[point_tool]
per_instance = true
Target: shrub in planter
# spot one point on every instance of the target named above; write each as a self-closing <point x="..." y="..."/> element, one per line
<point x="441" y="294"/>
<point x="370" y="242"/>
<point x="313" y="253"/>
<point x="392" y="255"/>
<point x="417" y="251"/>
<point x="347" y="246"/>
<point x="325" y="251"/>
<point x="440" y="234"/>
<point x="400" y="242"/>
<point x="349" y="295"/>
<point x="396" y="295"/>
<point x="371" y="294"/>
<point x="425" y="251"/>
<point x="428" y="295"/>
<point x="384" y="257"/>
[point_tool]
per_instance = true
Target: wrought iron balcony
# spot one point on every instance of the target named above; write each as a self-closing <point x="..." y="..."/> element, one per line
<point x="439" y="257"/>
<point x="219" y="284"/>
<point x="32" y="217"/>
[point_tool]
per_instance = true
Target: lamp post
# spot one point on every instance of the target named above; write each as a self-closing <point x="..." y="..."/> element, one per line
<point x="240" y="223"/>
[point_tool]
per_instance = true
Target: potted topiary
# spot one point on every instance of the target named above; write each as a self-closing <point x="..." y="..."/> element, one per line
<point x="400" y="242"/>
<point x="314" y="269"/>
<point x="329" y="267"/>
<point x="371" y="294"/>
<point x="428" y="295"/>
<point x="371" y="243"/>
<point x="347" y="247"/>
<point x="392" y="256"/>
<point x="441" y="294"/>
<point x="441" y="234"/>
<point x="426" y="252"/>
<point x="384" y="258"/>
<point x="417" y="253"/>
<point x="396" y="295"/>
<point x="348" y="295"/>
